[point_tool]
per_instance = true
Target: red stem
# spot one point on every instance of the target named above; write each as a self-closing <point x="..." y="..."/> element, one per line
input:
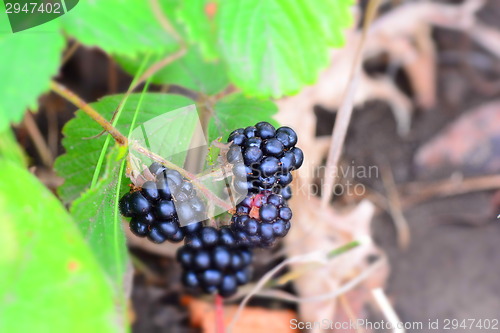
<point x="219" y="314"/>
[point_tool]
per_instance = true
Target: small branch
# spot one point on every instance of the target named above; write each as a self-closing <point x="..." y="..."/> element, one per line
<point x="164" y="22"/>
<point x="345" y="110"/>
<point x="78" y="102"/>
<point x="395" y="208"/>
<point x="387" y="309"/>
<point x="153" y="69"/>
<point x="169" y="28"/>
<point x="122" y="140"/>
<point x="193" y="178"/>
<point x="287" y="297"/>
<point x="183" y="91"/>
<point x="69" y="53"/>
<point x="420" y="192"/>
<point x="38" y="140"/>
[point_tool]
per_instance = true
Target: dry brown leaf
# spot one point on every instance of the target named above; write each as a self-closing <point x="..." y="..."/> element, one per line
<point x="252" y="319"/>
<point x="322" y="229"/>
<point x="470" y="142"/>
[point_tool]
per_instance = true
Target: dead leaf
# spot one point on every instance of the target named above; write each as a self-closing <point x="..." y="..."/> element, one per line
<point x="252" y="319"/>
<point x="471" y="143"/>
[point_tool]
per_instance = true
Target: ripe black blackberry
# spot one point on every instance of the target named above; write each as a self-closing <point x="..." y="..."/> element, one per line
<point x="213" y="262"/>
<point x="157" y="206"/>
<point x="263" y="157"/>
<point x="261" y="219"/>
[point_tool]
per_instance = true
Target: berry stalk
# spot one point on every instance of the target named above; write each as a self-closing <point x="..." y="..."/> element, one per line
<point x="80" y="103"/>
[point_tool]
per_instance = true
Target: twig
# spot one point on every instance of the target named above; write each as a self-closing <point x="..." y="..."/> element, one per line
<point x="424" y="191"/>
<point x="80" y="103"/>
<point x="387" y="309"/>
<point x="38" y="140"/>
<point x="186" y="174"/>
<point x="345" y="110"/>
<point x="395" y="208"/>
<point x="320" y="257"/>
<point x="122" y="140"/>
<point x="164" y="22"/>
<point x="154" y="68"/>
<point x="69" y="53"/>
<point x="219" y="314"/>
<point x="112" y="76"/>
<point x="285" y="296"/>
<point x="169" y="28"/>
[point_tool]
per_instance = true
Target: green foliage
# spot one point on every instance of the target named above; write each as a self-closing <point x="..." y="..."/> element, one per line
<point x="119" y="27"/>
<point x="96" y="214"/>
<point x="190" y="71"/>
<point x="267" y="48"/>
<point x="28" y="60"/>
<point x="274" y="47"/>
<point x="200" y="26"/>
<point x="50" y="281"/>
<point x="235" y="111"/>
<point x="9" y="149"/>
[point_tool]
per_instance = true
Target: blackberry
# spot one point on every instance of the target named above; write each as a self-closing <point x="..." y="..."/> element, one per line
<point x="213" y="262"/>
<point x="263" y="157"/>
<point x="261" y="219"/>
<point x="159" y="205"/>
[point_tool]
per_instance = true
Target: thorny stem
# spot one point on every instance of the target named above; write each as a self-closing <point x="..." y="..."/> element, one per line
<point x="122" y="140"/>
<point x="186" y="174"/>
<point x="80" y="103"/>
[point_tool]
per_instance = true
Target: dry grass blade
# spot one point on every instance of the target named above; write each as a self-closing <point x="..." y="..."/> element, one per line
<point x="420" y="192"/>
<point x="319" y="257"/>
<point x="346" y="108"/>
<point x="395" y="208"/>
<point x="36" y="136"/>
<point x="351" y="284"/>
<point x="387" y="309"/>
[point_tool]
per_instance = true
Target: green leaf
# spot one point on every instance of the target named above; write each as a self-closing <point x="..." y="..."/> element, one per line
<point x="78" y="164"/>
<point x="274" y="47"/>
<point x="10" y="149"/>
<point x="119" y="27"/>
<point x="190" y="71"/>
<point x="235" y="111"/>
<point x="49" y="282"/>
<point x="200" y="26"/>
<point x="28" y="60"/>
<point x="96" y="214"/>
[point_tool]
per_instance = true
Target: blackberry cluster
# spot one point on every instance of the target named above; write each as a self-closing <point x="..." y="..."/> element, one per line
<point x="152" y="210"/>
<point x="263" y="157"/>
<point x="219" y="260"/>
<point x="213" y="262"/>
